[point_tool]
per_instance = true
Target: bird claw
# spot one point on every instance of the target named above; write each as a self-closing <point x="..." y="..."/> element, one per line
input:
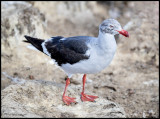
<point x="85" y="97"/>
<point x="68" y="100"/>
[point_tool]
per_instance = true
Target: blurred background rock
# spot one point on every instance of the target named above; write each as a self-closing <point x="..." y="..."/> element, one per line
<point x="133" y="74"/>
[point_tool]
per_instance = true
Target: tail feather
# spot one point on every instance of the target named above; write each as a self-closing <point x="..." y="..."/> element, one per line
<point x="35" y="42"/>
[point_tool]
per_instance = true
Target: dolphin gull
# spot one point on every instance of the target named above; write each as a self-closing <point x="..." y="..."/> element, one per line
<point x="82" y="54"/>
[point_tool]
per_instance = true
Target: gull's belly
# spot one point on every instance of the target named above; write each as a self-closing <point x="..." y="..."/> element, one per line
<point x="94" y="64"/>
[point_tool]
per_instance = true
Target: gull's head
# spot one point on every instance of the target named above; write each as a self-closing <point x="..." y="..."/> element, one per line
<point x="113" y="27"/>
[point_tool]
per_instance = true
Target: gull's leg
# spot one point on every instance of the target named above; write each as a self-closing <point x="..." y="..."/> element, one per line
<point x="67" y="100"/>
<point x="85" y="97"/>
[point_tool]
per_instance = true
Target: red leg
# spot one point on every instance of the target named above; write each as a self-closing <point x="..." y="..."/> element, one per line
<point x="67" y="100"/>
<point x="85" y="97"/>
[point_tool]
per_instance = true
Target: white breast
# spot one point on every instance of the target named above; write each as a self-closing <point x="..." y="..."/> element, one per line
<point x="97" y="61"/>
<point x="101" y="52"/>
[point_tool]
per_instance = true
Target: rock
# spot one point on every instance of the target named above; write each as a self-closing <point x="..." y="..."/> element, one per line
<point x="73" y="11"/>
<point x="84" y="17"/>
<point x="19" y="19"/>
<point x="36" y="98"/>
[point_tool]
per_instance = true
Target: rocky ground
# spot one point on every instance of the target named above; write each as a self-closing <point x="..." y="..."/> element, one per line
<point x="131" y="82"/>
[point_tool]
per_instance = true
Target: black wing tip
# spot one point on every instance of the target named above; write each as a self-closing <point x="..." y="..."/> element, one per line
<point x="26" y="36"/>
<point x="25" y="41"/>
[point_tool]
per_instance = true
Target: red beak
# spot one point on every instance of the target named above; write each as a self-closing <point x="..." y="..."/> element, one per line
<point x="124" y="33"/>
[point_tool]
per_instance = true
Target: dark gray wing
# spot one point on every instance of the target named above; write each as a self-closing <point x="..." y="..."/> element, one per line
<point x="70" y="50"/>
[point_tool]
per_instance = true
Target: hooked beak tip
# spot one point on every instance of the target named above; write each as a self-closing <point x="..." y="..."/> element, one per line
<point x="124" y="33"/>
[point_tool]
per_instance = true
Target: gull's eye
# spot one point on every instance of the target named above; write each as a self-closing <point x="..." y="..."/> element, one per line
<point x="111" y="26"/>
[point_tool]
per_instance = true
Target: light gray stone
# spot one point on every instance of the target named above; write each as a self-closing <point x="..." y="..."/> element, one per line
<point x="44" y="99"/>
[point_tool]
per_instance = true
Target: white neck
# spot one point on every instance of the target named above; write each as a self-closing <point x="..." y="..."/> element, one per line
<point x="106" y="41"/>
